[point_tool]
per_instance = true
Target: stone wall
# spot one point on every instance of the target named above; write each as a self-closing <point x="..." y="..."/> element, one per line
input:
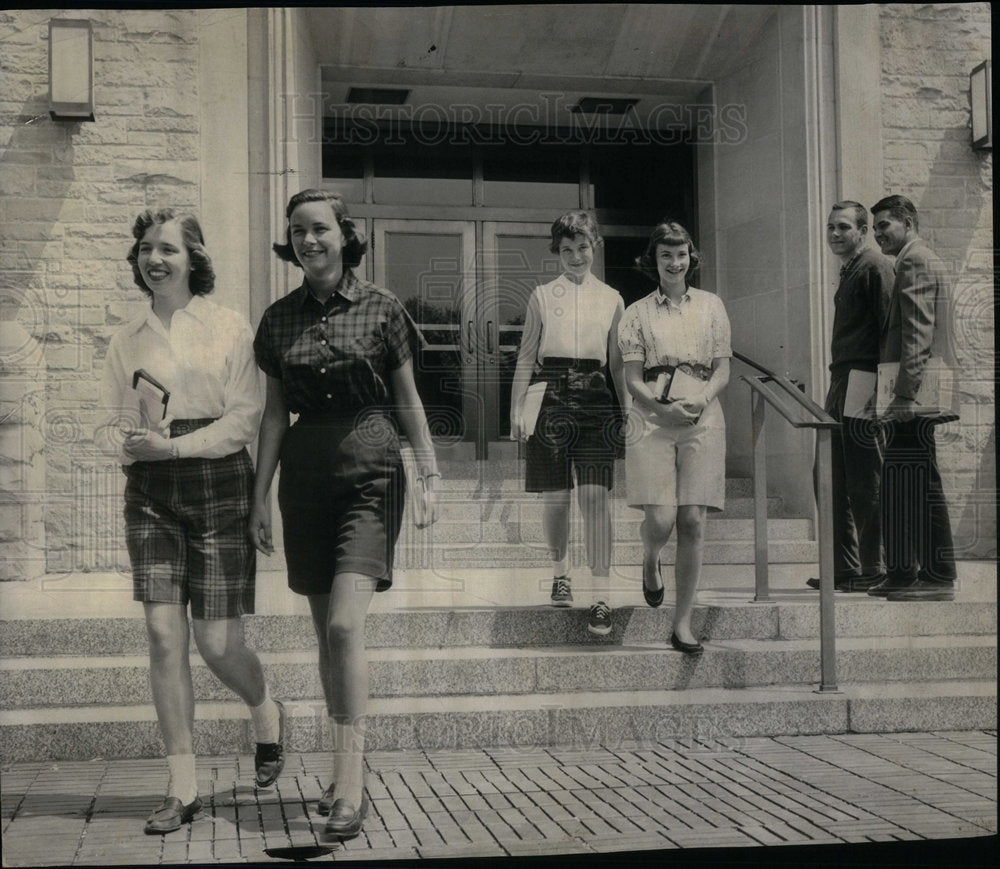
<point x="69" y="192"/>
<point x="927" y="53"/>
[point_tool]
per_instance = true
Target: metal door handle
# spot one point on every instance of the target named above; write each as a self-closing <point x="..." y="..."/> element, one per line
<point x="489" y="337"/>
<point x="468" y="338"/>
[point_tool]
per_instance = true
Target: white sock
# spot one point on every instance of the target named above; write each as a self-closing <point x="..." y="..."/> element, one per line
<point x="600" y="588"/>
<point x="331" y="724"/>
<point x="560" y="567"/>
<point x="183" y="780"/>
<point x="266" y="719"/>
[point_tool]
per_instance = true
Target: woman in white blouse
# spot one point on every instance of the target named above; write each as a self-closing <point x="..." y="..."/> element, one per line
<point x="675" y="345"/>
<point x="187" y="495"/>
<point x="570" y="336"/>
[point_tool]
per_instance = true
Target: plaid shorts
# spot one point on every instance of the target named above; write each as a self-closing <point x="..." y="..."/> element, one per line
<point x="186" y="531"/>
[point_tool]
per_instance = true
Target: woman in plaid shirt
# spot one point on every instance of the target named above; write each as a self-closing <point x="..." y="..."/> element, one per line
<point x="338" y="351"/>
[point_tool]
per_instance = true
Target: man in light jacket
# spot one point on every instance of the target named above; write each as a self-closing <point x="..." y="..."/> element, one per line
<point x="916" y="529"/>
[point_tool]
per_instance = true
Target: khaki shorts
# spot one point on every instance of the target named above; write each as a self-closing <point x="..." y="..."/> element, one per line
<point x="674" y="466"/>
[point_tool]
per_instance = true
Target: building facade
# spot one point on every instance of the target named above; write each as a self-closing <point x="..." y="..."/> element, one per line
<point x="456" y="135"/>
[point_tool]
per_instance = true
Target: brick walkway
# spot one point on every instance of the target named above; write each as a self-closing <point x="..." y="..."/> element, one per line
<point x="808" y="790"/>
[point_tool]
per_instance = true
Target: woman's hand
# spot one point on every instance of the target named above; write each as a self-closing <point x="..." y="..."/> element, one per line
<point x="517" y="428"/>
<point x="696" y="404"/>
<point x="147" y="445"/>
<point x="675" y="413"/>
<point x="426" y="501"/>
<point x="259" y="528"/>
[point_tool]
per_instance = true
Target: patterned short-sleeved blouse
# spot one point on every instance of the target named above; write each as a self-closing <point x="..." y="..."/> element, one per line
<point x="656" y="331"/>
<point x="335" y="356"/>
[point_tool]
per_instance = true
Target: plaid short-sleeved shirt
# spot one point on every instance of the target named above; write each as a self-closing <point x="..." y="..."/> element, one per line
<point x="335" y="355"/>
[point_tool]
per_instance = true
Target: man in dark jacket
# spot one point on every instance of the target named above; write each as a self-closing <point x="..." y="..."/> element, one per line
<point x="861" y="312"/>
<point x="920" y="557"/>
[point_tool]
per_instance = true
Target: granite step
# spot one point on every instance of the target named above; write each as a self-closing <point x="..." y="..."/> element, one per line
<point x="484" y="506"/>
<point x="577" y="719"/>
<point x="506" y="481"/>
<point x="72" y="681"/>
<point x="857" y="616"/>
<point x="519" y="526"/>
<point x="419" y="552"/>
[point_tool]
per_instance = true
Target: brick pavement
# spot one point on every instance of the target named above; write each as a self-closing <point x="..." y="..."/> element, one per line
<point x="790" y="790"/>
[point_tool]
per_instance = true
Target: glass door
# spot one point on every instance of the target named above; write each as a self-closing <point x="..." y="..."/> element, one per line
<point x="431" y="267"/>
<point x="516" y="259"/>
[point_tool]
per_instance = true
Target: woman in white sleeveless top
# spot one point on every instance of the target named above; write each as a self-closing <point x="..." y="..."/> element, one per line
<point x="570" y="336"/>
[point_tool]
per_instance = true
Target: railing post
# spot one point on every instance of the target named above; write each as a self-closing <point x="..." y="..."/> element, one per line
<point x="827" y="624"/>
<point x="758" y="406"/>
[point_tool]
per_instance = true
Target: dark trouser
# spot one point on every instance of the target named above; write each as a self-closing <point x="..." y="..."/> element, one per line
<point x="856" y="461"/>
<point x="915" y="522"/>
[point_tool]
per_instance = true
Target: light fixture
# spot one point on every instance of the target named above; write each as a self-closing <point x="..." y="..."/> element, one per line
<point x="981" y="98"/>
<point x="71" y="70"/>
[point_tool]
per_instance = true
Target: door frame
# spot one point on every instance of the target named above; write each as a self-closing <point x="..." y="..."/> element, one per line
<point x="468" y="335"/>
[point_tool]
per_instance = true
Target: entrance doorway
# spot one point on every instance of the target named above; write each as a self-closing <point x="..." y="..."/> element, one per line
<point x="466" y="284"/>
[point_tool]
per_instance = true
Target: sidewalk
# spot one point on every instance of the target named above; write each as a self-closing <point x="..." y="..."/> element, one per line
<point x="792" y="790"/>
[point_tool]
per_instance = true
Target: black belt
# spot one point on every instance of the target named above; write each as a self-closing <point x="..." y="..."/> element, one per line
<point x="692" y="368"/>
<point x="563" y="363"/>
<point x="179" y="427"/>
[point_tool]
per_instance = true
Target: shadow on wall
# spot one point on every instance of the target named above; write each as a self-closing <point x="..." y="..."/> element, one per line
<point x="36" y="169"/>
<point x="968" y="446"/>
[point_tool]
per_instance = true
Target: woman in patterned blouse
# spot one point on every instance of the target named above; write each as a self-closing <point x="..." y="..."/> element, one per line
<point x="338" y="351"/>
<point x="675" y="344"/>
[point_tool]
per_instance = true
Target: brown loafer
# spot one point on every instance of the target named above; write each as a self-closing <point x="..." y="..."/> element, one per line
<point x="344" y="822"/>
<point x="171" y="815"/>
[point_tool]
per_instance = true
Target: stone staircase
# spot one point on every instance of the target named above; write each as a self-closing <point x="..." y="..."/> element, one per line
<point x="466" y="653"/>
<point x="487" y="519"/>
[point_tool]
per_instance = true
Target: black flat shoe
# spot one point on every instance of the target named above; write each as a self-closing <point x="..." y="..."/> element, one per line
<point x="326" y="801"/>
<point x="171" y="815"/>
<point x="686" y="648"/>
<point x="344" y="822"/>
<point x="653" y="597"/>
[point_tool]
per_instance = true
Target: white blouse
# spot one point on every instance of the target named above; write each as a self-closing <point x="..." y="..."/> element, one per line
<point x="575" y="318"/>
<point x="205" y="360"/>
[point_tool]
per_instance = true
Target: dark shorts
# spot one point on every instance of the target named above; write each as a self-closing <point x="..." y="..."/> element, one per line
<point x="578" y="428"/>
<point x="186" y="532"/>
<point x="341" y="494"/>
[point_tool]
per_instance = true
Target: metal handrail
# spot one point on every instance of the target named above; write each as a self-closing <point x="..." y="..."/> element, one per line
<point x="763" y="393"/>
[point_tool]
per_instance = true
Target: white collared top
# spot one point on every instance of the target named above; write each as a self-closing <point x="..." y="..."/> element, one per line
<point x="205" y="359"/>
<point x="656" y="331"/>
<point x="575" y="318"/>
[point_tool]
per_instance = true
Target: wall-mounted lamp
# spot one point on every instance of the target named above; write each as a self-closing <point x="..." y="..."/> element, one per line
<point x="981" y="97"/>
<point x="71" y="70"/>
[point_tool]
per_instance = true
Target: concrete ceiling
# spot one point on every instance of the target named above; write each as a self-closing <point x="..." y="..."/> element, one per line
<point x="546" y="56"/>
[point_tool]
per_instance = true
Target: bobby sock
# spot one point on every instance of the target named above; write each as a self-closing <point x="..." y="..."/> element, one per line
<point x="266" y="719"/>
<point x="183" y="780"/>
<point x="560" y="567"/>
<point x="600" y="584"/>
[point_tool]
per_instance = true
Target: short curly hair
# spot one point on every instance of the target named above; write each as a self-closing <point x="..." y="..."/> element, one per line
<point x="574" y="223"/>
<point x="202" y="278"/>
<point x="672" y="234"/>
<point x="355" y="244"/>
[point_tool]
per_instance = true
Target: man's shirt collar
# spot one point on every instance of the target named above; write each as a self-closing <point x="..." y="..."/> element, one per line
<point x="905" y="249"/>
